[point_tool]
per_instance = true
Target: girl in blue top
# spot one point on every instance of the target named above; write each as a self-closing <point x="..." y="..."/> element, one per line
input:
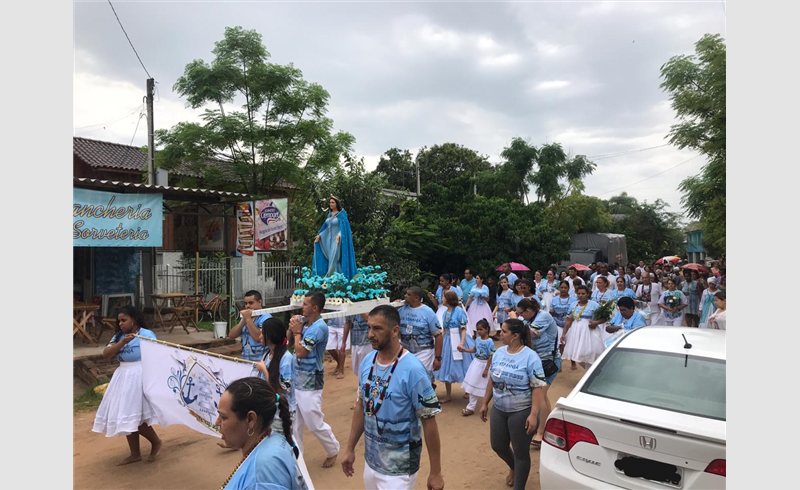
<point x="478" y="305"/>
<point x="476" y="379"/>
<point x="247" y="411"/>
<point x="505" y="302"/>
<point x="455" y="326"/>
<point x="582" y="341"/>
<point x="277" y="366"/>
<point x="124" y="409"/>
<point x="548" y="288"/>
<point x="622" y="291"/>
<point x="515" y="383"/>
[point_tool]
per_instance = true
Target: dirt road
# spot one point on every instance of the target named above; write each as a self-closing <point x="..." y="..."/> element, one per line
<point x="190" y="460"/>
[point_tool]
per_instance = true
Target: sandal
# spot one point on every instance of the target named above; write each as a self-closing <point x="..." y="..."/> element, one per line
<point x="466" y="413"/>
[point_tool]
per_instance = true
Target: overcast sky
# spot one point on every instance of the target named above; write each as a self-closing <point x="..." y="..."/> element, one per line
<point x="408" y="75"/>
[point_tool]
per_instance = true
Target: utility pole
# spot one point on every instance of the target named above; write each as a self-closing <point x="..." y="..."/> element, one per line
<point x="418" y="191"/>
<point x="151" y="149"/>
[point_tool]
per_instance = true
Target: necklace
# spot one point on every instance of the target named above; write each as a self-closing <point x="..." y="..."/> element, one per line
<point x="243" y="460"/>
<point x="581" y="313"/>
<point x="371" y="412"/>
<point x="518" y="349"/>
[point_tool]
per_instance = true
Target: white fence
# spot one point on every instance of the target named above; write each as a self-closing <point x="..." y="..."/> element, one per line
<point x="274" y="280"/>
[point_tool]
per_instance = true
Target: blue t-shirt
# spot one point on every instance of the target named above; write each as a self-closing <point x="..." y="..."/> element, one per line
<point x="513" y="378"/>
<point x="544" y="287"/>
<point x="608" y="295"/>
<point x="584" y="312"/>
<point x="393" y="437"/>
<point x="517" y="299"/>
<point x="627" y="293"/>
<point x="545" y="342"/>
<point x="131" y="352"/>
<point x="271" y="466"/>
<point x="455" y="320"/>
<point x="466" y="287"/>
<point x="308" y="372"/>
<point x="359" y="330"/>
<point x="418" y="327"/>
<point x="484" y="349"/>
<point x="561" y="308"/>
<point x="635" y="321"/>
<point x="505" y="299"/>
<point x="253" y="350"/>
<point x="285" y="377"/>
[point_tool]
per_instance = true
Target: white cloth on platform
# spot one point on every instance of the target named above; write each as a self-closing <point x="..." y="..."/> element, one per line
<point x="309" y="413"/>
<point x="124" y="407"/>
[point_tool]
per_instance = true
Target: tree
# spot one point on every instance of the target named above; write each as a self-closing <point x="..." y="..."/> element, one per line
<point x="520" y="159"/>
<point x="399" y="169"/>
<point x="577" y="213"/>
<point x="281" y="133"/>
<point x="651" y="231"/>
<point x="696" y="84"/>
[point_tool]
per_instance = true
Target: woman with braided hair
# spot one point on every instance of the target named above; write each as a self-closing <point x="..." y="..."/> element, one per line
<point x="246" y="412"/>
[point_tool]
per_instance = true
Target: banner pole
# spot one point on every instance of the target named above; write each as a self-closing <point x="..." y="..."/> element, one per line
<point x="192" y="349"/>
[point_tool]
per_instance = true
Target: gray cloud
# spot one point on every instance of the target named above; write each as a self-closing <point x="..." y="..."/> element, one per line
<point x="413" y="74"/>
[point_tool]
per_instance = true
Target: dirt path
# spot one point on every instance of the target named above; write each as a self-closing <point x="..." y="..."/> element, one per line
<point x="190" y="460"/>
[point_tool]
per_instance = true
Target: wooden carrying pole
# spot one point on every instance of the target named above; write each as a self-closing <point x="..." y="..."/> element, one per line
<point x="191" y="349"/>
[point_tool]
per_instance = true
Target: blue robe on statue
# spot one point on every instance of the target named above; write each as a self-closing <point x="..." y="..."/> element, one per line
<point x="330" y="256"/>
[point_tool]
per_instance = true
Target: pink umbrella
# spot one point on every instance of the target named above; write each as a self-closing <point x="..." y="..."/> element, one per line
<point x="579" y="267"/>
<point x="669" y="258"/>
<point x="515" y="267"/>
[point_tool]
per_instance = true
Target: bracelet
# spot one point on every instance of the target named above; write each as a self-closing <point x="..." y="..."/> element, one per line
<point x="438" y="358"/>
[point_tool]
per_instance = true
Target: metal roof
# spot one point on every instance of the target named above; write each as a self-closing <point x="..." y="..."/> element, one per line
<point x="168" y="191"/>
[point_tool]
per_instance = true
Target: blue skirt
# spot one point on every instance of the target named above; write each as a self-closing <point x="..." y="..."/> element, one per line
<point x="454" y="371"/>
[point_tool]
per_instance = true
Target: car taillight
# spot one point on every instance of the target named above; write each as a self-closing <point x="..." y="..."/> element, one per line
<point x="564" y="435"/>
<point x="717" y="467"/>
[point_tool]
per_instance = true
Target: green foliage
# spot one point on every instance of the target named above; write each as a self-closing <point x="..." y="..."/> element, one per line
<point x="88" y="400"/>
<point x="696" y="84"/>
<point x="651" y="231"/>
<point x="399" y="168"/>
<point x="281" y="132"/>
<point x="520" y="158"/>
<point x="577" y="213"/>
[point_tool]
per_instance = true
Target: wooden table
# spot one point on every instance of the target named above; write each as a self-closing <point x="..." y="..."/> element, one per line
<point x="169" y="318"/>
<point x="81" y="313"/>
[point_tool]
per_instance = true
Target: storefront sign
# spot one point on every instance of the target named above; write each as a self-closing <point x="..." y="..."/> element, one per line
<point x="108" y="219"/>
<point x="272" y="224"/>
<point x="244" y="228"/>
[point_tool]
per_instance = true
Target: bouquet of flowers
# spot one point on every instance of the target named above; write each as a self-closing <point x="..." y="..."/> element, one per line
<point x="605" y="311"/>
<point x="368" y="283"/>
<point x="673" y="301"/>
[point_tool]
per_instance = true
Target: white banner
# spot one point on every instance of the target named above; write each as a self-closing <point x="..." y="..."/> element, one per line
<point x="184" y="387"/>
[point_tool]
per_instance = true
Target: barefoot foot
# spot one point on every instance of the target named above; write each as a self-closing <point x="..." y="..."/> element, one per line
<point x="130" y="459"/>
<point x="154" y="451"/>
<point x="510" y="478"/>
<point x="340" y="375"/>
<point x="329" y="462"/>
<point x="445" y="399"/>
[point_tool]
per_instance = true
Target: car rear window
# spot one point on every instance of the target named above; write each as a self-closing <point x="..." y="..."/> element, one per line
<point x="675" y="382"/>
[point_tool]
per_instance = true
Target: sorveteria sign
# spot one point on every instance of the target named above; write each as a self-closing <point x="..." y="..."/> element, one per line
<point x="108" y="219"/>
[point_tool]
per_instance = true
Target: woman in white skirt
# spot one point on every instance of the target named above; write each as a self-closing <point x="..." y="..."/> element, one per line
<point x="548" y="288"/>
<point x="649" y="292"/>
<point x="476" y="379"/>
<point x="672" y="303"/>
<point x="583" y="341"/>
<point x="478" y="305"/>
<point x="124" y="409"/>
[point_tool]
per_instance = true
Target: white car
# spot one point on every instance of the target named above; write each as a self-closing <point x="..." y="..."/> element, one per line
<point x="649" y="414"/>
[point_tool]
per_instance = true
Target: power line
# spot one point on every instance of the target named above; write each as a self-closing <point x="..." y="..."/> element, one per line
<point x="648" y="178"/>
<point x="138" y="120"/>
<point x="115" y="119"/>
<point x="622" y="153"/>
<point x="129" y="40"/>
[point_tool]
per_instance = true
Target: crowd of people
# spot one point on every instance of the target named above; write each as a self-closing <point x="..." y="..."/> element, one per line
<point x="400" y="354"/>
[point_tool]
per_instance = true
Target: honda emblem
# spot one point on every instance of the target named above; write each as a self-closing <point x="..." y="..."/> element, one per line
<point x="647" y="442"/>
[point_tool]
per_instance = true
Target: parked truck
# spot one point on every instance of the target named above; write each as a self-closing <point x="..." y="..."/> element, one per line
<point x="593" y="247"/>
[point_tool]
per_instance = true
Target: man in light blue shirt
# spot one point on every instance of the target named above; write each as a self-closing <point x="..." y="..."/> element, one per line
<point x="466" y="285"/>
<point x="512" y="278"/>
<point x="396" y="406"/>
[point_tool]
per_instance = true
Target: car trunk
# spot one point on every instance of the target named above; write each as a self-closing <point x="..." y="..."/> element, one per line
<point x="654" y="449"/>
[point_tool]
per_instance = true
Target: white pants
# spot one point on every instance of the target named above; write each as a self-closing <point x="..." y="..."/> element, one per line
<point x="335" y="337"/>
<point x="674" y="322"/>
<point x="378" y="481"/>
<point x="309" y="413"/>
<point x="473" y="402"/>
<point x="655" y="317"/>
<point x="358" y="353"/>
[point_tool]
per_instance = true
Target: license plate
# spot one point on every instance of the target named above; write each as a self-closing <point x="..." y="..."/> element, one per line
<point x="647" y="469"/>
